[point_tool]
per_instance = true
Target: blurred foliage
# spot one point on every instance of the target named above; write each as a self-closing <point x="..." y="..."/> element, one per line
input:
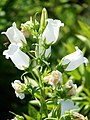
<point x="75" y="14"/>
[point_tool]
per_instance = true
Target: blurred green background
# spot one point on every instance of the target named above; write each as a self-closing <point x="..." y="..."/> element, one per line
<point x="75" y="14"/>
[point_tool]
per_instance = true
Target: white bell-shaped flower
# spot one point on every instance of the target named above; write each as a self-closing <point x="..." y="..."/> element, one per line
<point x="74" y="60"/>
<point x="15" y="35"/>
<point x="19" y="89"/>
<point x="19" y="58"/>
<point x="67" y="105"/>
<point x="51" y="31"/>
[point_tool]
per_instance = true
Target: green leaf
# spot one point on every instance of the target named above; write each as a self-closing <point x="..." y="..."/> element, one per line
<point x="35" y="102"/>
<point x="43" y="108"/>
<point x="87" y="92"/>
<point x="75" y="74"/>
<point x="85" y="29"/>
<point x="33" y="112"/>
<point x="31" y="81"/>
<point x="28" y="117"/>
<point x="84" y="39"/>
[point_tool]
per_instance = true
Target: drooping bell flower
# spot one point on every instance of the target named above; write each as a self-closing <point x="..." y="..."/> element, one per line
<point x="67" y="105"/>
<point x="74" y="60"/>
<point x="15" y="35"/>
<point x="19" y="58"/>
<point x="51" y="31"/>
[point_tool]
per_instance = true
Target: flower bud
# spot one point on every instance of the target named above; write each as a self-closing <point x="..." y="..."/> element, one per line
<point x="25" y="28"/>
<point x="78" y="116"/>
<point x="19" y="88"/>
<point x="43" y="20"/>
<point x="54" y="78"/>
<point x="72" y="88"/>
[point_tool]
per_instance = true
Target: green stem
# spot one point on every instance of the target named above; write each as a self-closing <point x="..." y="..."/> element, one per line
<point x="33" y="76"/>
<point x="31" y="55"/>
<point x="43" y="108"/>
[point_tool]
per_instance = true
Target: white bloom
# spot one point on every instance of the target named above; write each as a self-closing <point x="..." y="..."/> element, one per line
<point x="74" y="60"/>
<point x="51" y="31"/>
<point x="19" y="89"/>
<point x="67" y="105"/>
<point x="19" y="58"/>
<point x="54" y="78"/>
<point x="14" y="35"/>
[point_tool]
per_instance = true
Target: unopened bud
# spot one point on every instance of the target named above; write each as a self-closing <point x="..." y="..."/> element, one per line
<point x="72" y="88"/>
<point x="78" y="116"/>
<point x="19" y="88"/>
<point x="43" y="20"/>
<point x="54" y="78"/>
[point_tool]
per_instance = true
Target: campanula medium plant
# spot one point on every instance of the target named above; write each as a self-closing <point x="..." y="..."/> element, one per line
<point x="49" y="93"/>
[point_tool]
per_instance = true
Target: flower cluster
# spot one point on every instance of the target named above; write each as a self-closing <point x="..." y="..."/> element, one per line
<point x="17" y="39"/>
<point x="33" y="59"/>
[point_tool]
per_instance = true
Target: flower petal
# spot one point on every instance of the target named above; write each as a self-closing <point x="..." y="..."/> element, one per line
<point x="74" y="64"/>
<point x="14" y="35"/>
<point x="19" y="58"/>
<point x="48" y="52"/>
<point x="51" y="31"/>
<point x="67" y="105"/>
<point x="20" y="95"/>
<point x="74" y="60"/>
